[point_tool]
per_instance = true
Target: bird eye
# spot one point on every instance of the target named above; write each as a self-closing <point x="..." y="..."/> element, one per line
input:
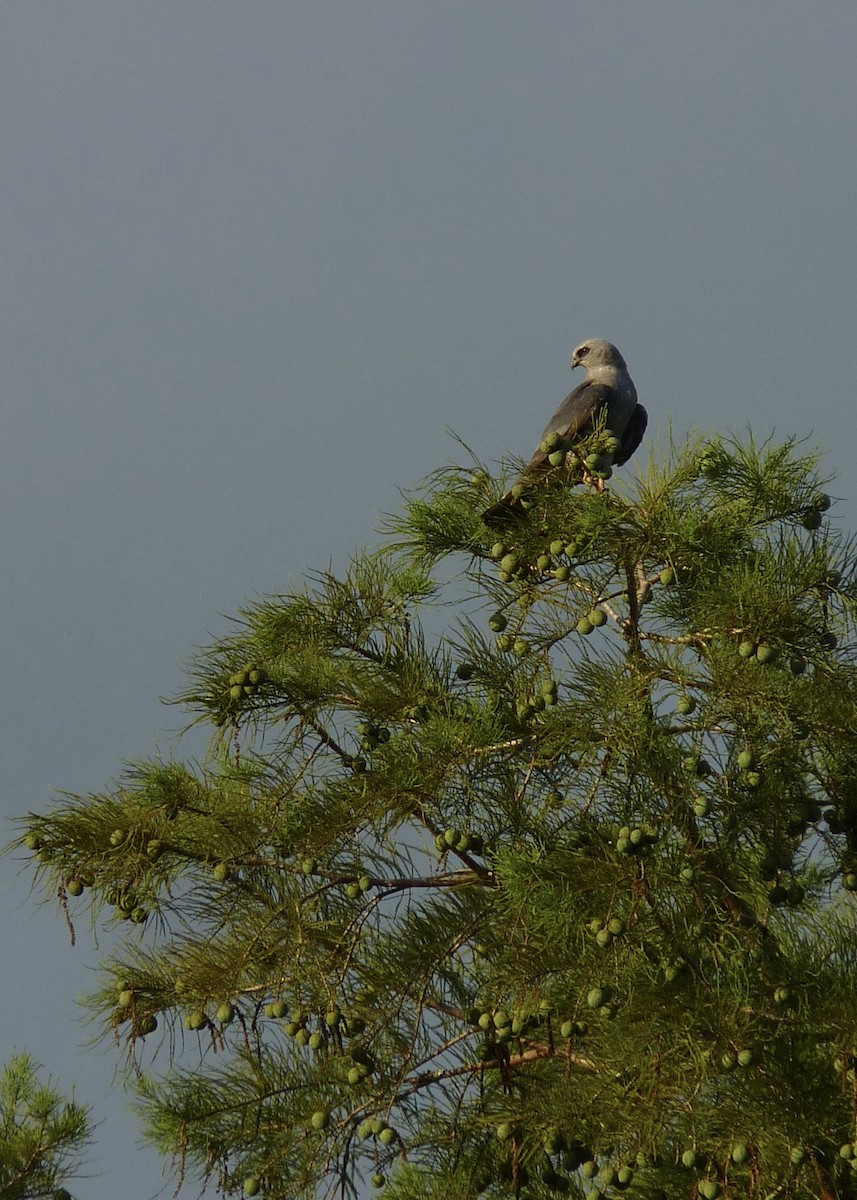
<point x="583" y="351"/>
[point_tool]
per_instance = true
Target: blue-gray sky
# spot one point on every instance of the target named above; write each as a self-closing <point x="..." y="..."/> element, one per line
<point x="258" y="256"/>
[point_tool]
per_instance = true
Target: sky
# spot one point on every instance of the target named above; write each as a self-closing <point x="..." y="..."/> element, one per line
<point x="260" y="258"/>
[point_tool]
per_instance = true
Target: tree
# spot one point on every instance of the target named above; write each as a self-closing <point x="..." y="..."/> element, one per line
<point x="42" y="1135"/>
<point x="518" y="867"/>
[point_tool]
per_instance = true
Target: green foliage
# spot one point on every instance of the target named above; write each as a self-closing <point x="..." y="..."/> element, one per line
<point x="561" y="892"/>
<point x="42" y="1135"/>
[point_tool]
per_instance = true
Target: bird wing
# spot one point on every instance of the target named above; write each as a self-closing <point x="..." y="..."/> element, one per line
<point x="575" y="415"/>
<point x="632" y="434"/>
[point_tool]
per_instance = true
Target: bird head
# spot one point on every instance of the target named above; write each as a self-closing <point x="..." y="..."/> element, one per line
<point x="595" y="352"/>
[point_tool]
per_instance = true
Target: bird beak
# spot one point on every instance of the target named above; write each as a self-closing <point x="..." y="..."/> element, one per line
<point x="575" y="362"/>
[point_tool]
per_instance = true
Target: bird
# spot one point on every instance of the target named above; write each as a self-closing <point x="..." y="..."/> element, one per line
<point x="606" y="397"/>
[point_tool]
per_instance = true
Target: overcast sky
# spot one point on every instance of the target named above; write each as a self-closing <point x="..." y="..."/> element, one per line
<point x="258" y="257"/>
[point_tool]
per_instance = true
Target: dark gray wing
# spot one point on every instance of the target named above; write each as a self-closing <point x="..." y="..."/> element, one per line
<point x="632" y="435"/>
<point x="575" y="415"/>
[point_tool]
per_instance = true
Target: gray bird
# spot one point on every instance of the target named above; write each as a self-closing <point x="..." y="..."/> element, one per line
<point x="607" y="386"/>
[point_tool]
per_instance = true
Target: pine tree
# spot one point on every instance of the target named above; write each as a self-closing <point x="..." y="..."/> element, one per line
<point x="520" y="865"/>
<point x="42" y="1135"/>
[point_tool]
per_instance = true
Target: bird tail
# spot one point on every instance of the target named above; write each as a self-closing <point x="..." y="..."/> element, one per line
<point x="504" y="513"/>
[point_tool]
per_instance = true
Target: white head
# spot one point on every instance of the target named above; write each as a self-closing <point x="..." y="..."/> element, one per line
<point x="595" y="353"/>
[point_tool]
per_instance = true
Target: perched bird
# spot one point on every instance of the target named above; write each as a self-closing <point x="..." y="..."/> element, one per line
<point x="606" y="395"/>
